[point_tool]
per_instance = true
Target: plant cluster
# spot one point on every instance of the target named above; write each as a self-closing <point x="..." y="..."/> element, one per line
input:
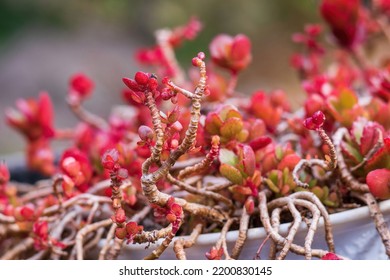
<point x="188" y="154"/>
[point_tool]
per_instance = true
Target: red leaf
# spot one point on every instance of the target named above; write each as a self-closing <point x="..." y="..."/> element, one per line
<point x="369" y="137"/>
<point x="248" y="160"/>
<point x="331" y="256"/>
<point x="343" y="18"/>
<point x="378" y="182"/>
<point x="381" y="159"/>
<point x="260" y="142"/>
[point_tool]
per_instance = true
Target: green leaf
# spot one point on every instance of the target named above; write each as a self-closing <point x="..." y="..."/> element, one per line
<point x="279" y="153"/>
<point x="345" y="100"/>
<point x="231" y="173"/>
<point x="351" y="152"/>
<point x="228" y="157"/>
<point x="229" y="111"/>
<point x="231" y="128"/>
<point x="272" y="186"/>
<point x="357" y="129"/>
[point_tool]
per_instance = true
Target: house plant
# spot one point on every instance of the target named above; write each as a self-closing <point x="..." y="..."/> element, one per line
<point x="188" y="155"/>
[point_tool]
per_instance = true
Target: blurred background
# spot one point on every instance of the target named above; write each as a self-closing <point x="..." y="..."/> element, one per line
<point x="44" y="42"/>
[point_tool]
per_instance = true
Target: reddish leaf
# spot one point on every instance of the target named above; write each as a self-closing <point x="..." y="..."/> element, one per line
<point x="241" y="190"/>
<point x="378" y="182"/>
<point x="289" y="161"/>
<point x="381" y="159"/>
<point x="248" y="160"/>
<point x="370" y="137"/>
<point x="213" y="123"/>
<point x="260" y="142"/>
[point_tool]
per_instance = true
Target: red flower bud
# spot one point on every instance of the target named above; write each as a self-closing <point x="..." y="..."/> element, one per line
<point x="133" y="228"/>
<point x="120" y="216"/>
<point x="141" y="78"/>
<point x="81" y="85"/>
<point x="331" y="256"/>
<point x="318" y="118"/>
<point x="120" y="233"/>
<point x="110" y="158"/>
<point x="165" y="80"/>
<point x="196" y="61"/>
<point x="176" y="209"/>
<point x="314" y="122"/>
<point x="71" y="166"/>
<point x="131" y="84"/>
<point x="145" y="133"/>
<point x="123" y="174"/>
<point x="171" y="218"/>
<point x="201" y="55"/>
<point x="153" y="84"/>
<point x="215" y="254"/>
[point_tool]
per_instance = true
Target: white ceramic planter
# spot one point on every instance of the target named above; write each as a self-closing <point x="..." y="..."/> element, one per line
<point x="354" y="232"/>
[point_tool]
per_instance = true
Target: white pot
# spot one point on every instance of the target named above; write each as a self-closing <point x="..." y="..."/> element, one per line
<point x="354" y="232"/>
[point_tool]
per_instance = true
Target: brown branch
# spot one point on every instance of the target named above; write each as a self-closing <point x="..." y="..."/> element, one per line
<point x="86" y="116"/>
<point x="87" y="199"/>
<point x="55" y="185"/>
<point x="114" y="251"/>
<point x="95" y="240"/>
<point x="345" y="173"/>
<point x="302" y="164"/>
<point x="37" y="193"/>
<point x="205" y="163"/>
<point x="324" y="213"/>
<point x="157" y="127"/>
<point x="181" y="244"/>
<point x="242" y="234"/>
<point x="332" y="160"/>
<point x="109" y="238"/>
<point x="24" y="245"/>
<point x="86" y="230"/>
<point x="280" y="240"/>
<point x="162" y="38"/>
<point x="183" y="91"/>
<point x="275" y="222"/>
<point x="152" y="236"/>
<point x="221" y="243"/>
<point x="163" y="246"/>
<point x="216" y="196"/>
<point x="329" y="164"/>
